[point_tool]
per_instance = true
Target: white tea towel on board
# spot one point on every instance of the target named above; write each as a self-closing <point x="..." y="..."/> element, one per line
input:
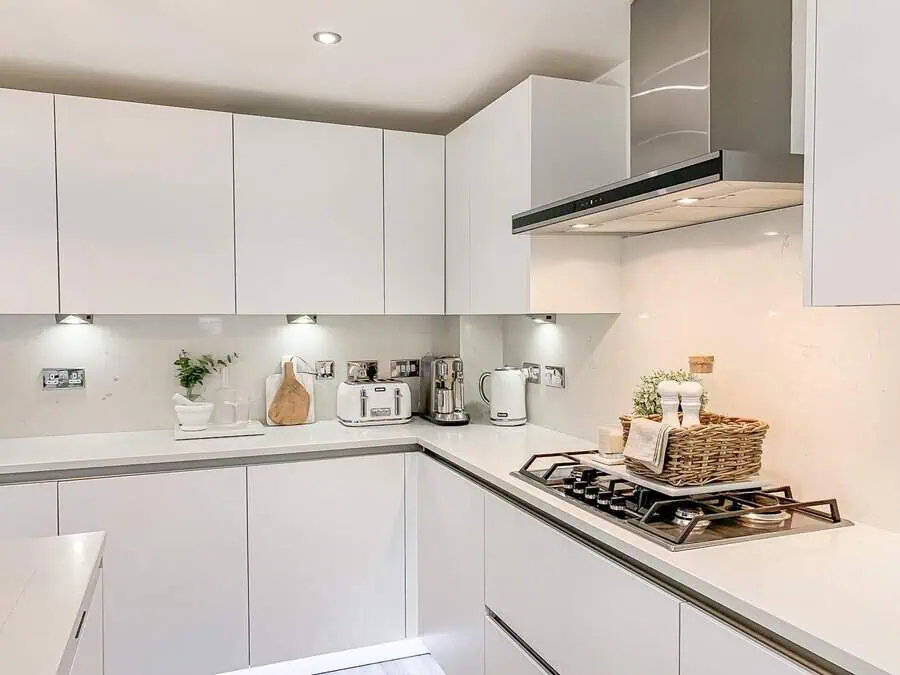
<point x="647" y="441"/>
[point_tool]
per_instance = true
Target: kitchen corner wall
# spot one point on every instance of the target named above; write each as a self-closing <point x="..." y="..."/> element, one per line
<point x="826" y="379"/>
<point x="130" y="377"/>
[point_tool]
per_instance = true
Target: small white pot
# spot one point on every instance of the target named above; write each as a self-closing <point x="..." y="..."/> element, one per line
<point x="194" y="417"/>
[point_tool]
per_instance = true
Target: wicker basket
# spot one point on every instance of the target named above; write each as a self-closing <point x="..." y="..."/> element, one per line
<point x="721" y="449"/>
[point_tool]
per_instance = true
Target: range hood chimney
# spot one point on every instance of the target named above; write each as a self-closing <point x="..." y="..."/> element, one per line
<point x="710" y="122"/>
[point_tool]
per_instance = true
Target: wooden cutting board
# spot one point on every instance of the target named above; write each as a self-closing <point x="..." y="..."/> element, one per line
<point x="292" y="402"/>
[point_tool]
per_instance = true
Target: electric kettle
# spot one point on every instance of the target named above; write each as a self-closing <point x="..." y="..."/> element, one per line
<point x="507" y="399"/>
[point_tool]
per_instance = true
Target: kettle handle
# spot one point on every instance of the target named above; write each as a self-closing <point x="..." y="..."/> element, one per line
<point x="484" y="376"/>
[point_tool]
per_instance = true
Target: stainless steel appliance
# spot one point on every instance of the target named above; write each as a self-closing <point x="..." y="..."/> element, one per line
<point x="711" y="86"/>
<point x="443" y="390"/>
<point x="687" y="521"/>
<point x="369" y="401"/>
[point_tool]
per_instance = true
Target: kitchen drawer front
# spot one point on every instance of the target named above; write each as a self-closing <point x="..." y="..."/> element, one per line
<point x="548" y="588"/>
<point x="504" y="656"/>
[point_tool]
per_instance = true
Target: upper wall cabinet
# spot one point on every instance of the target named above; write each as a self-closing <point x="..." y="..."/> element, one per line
<point x="851" y="233"/>
<point x="146" y="223"/>
<point x="28" y="267"/>
<point x="544" y="140"/>
<point x="309" y="217"/>
<point x="413" y="223"/>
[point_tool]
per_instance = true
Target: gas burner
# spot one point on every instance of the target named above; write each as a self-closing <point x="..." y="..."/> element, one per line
<point x="684" y="516"/>
<point x="765" y="519"/>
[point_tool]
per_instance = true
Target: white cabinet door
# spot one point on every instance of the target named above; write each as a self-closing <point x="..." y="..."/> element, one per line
<point x="451" y="568"/>
<point x="28" y="510"/>
<point x="460" y="161"/>
<point x="503" y="656"/>
<point x="851" y="204"/>
<point x="709" y="647"/>
<point x="413" y="223"/>
<point x="521" y="554"/>
<point x="29" y="280"/>
<point x="326" y="556"/>
<point x="89" y="653"/>
<point x="309" y="220"/>
<point x="146" y="222"/>
<point x="174" y="570"/>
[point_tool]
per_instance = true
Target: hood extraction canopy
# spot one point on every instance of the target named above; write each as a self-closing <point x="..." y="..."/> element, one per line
<point x="710" y="122"/>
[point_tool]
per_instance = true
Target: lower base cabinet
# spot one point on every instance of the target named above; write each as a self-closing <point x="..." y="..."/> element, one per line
<point x="504" y="656"/>
<point x="174" y="568"/>
<point x="327" y="554"/>
<point x="89" y="654"/>
<point x="709" y="647"/>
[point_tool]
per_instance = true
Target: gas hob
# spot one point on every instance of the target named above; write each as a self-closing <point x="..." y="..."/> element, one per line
<point x="684" y="522"/>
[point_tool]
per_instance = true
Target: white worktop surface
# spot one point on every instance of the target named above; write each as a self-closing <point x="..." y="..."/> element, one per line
<point x="836" y="593"/>
<point x="45" y="584"/>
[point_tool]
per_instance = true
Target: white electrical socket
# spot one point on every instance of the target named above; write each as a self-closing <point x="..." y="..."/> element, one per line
<point x="555" y="376"/>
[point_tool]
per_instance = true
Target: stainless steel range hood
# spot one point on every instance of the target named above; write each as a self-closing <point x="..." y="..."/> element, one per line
<point x="710" y="122"/>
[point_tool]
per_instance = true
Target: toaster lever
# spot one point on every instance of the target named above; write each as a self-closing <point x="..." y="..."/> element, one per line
<point x="363" y="403"/>
<point x="397" y="401"/>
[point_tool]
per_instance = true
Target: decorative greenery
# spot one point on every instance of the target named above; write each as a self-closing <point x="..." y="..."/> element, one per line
<point x="191" y="372"/>
<point x="646" y="400"/>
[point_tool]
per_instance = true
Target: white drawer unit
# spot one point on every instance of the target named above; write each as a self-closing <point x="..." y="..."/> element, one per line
<point x="28" y="510"/>
<point x="504" y="656"/>
<point x="525" y="563"/>
<point x="709" y="647"/>
<point x="89" y="652"/>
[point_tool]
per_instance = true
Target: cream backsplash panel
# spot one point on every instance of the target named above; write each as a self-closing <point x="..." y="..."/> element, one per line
<point x="130" y="377"/>
<point x="826" y="379"/>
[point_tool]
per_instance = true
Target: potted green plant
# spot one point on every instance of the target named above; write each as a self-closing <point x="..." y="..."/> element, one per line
<point x="192" y="371"/>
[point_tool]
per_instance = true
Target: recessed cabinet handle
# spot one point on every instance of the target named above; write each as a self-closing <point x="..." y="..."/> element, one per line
<point x="80" y="624"/>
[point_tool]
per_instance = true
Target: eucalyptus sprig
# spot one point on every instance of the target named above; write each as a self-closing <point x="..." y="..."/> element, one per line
<point x="192" y="371"/>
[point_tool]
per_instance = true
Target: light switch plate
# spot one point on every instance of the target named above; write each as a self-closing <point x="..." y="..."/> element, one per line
<point x="533" y="372"/>
<point x="406" y="367"/>
<point x="555" y="376"/>
<point x="324" y="370"/>
<point x="62" y="378"/>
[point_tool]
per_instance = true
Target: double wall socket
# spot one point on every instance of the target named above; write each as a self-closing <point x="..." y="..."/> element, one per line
<point x="406" y="367"/>
<point x="555" y="376"/>
<point x="361" y="367"/>
<point x="62" y="378"/>
<point x="533" y="371"/>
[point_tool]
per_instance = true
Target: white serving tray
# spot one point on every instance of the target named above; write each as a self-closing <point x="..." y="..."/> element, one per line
<point x="622" y="471"/>
<point x="252" y="428"/>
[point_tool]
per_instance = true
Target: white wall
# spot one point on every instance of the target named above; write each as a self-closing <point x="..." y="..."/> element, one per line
<point x="826" y="379"/>
<point x="130" y="377"/>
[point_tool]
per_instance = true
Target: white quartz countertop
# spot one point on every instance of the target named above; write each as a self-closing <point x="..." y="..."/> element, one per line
<point x="835" y="593"/>
<point x="45" y="585"/>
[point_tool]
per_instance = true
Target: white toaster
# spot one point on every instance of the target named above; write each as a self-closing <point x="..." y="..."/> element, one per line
<point x="371" y="402"/>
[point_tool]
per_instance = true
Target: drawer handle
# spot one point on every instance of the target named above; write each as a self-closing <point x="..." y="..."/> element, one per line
<point x="80" y="624"/>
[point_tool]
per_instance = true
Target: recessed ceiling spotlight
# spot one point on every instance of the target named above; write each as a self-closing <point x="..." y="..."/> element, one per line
<point x="684" y="201"/>
<point x="327" y="37"/>
<point x="580" y="226"/>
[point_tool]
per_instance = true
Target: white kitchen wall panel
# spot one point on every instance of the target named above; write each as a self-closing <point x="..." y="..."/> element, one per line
<point x="28" y="510"/>
<point x="89" y="653"/>
<point x="29" y="280"/>
<point x="451" y="568"/>
<point x="520" y="549"/>
<point x="707" y="645"/>
<point x="174" y="570"/>
<point x="503" y="656"/>
<point x="851" y="203"/>
<point x="326" y="556"/>
<point x="309" y="217"/>
<point x="413" y="223"/>
<point x="146" y="222"/>
<point x="544" y="140"/>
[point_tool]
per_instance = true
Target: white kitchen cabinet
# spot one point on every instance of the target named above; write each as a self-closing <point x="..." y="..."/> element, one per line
<point x="326" y="556"/>
<point x="451" y="568"/>
<point x="146" y="222"/>
<point x="709" y="647"/>
<point x="174" y="569"/>
<point x="544" y="140"/>
<point x="413" y="223"/>
<point x="851" y="205"/>
<point x="309" y="217"/>
<point x="28" y="510"/>
<point x="89" y="652"/>
<point x="504" y="656"/>
<point x="29" y="280"/>
<point x="522" y="554"/>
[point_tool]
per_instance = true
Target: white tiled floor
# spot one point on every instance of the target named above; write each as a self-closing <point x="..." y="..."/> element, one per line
<point x="420" y="665"/>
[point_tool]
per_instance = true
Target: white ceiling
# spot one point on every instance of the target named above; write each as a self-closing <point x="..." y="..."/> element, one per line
<point x="416" y="64"/>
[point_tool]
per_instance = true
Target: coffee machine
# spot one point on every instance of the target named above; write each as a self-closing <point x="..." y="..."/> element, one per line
<point x="442" y="390"/>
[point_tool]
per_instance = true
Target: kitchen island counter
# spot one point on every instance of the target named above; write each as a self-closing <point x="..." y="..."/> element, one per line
<point x="834" y="593"/>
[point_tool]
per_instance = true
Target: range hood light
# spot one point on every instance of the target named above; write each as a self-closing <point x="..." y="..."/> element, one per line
<point x="74" y="319"/>
<point x="771" y="233"/>
<point x="580" y="226"/>
<point x="686" y="201"/>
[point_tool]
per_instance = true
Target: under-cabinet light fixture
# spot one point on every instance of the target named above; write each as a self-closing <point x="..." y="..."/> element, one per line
<point x="302" y="319"/>
<point x="327" y="37"/>
<point x="543" y="318"/>
<point x="74" y="319"/>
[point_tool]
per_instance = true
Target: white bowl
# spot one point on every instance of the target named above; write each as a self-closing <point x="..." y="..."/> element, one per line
<point x="194" y="417"/>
